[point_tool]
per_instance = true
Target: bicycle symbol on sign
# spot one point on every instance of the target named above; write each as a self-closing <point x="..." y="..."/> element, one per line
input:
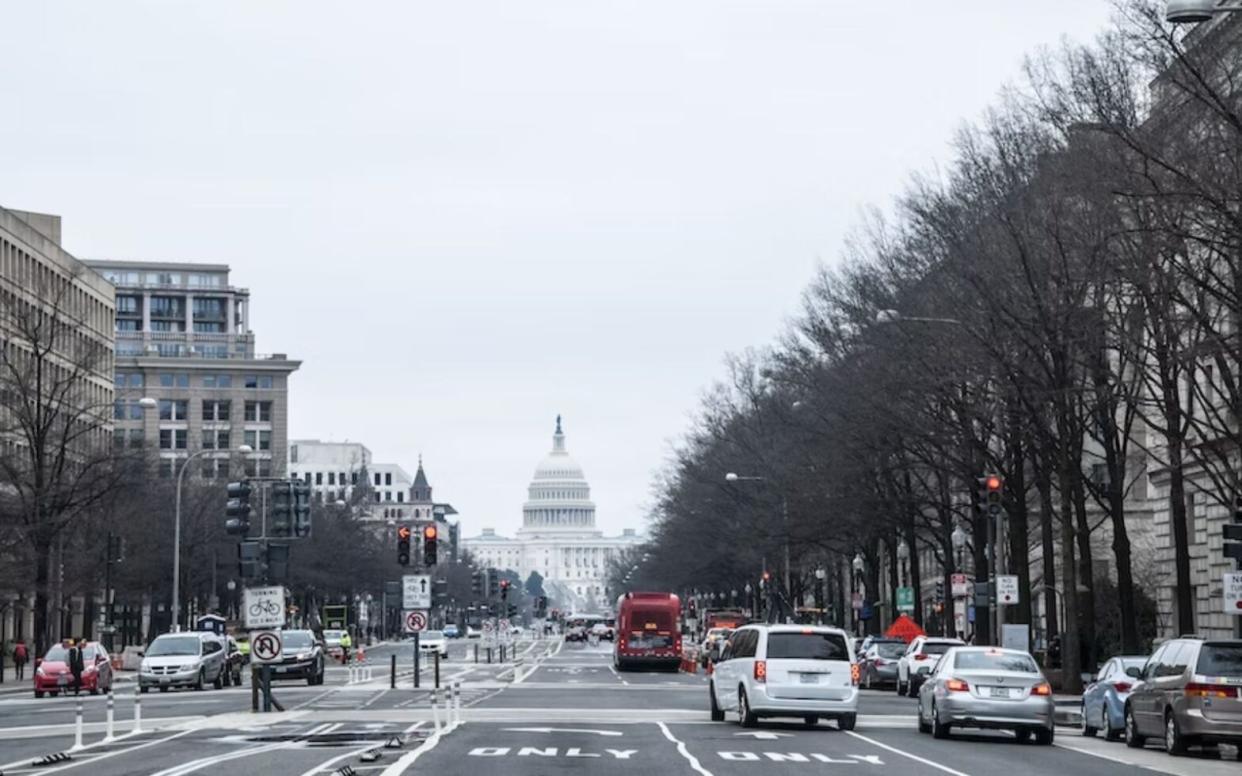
<point x="269" y="607"/>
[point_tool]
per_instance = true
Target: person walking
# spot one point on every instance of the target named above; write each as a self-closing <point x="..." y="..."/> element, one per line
<point x="20" y="657"/>
<point x="77" y="664"/>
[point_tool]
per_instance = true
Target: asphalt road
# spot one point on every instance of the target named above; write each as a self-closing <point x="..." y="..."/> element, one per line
<point x="556" y="709"/>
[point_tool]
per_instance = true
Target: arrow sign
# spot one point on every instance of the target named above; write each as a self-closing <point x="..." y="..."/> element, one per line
<point x="763" y="735"/>
<point x="565" y="730"/>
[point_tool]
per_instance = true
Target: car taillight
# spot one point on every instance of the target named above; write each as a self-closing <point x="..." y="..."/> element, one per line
<point x="1199" y="690"/>
<point x="920" y="657"/>
<point x="956" y="685"/>
<point x="1122" y="686"/>
<point x="855" y="674"/>
<point x="1042" y="689"/>
<point x="761" y="670"/>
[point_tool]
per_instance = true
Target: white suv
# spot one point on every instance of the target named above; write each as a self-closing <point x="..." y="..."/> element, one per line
<point x="786" y="671"/>
<point x="919" y="661"/>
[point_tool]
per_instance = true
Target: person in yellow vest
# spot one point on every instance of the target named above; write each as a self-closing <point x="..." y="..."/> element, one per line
<point x="346" y="643"/>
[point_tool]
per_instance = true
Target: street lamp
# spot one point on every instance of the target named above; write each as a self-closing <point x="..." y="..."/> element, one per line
<point x="958" y="537"/>
<point x="903" y="555"/>
<point x="176" y="588"/>
<point x="892" y="316"/>
<point x="1194" y="11"/>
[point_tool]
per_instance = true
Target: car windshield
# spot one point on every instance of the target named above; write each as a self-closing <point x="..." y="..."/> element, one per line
<point x="989" y="660"/>
<point x="1220" y="660"/>
<point x="937" y="647"/>
<point x="890" y="649"/>
<point x="296" y="640"/>
<point x="332" y="635"/>
<point x="174" y="645"/>
<point x="432" y="635"/>
<point x="807" y="646"/>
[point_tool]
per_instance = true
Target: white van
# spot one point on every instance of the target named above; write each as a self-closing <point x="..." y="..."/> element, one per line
<point x="786" y="671"/>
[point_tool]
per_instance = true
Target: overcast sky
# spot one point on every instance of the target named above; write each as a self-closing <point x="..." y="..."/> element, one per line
<point x="467" y="217"/>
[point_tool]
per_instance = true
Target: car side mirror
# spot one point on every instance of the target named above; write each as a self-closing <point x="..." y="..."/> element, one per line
<point x="38" y="662"/>
<point x="1134" y="672"/>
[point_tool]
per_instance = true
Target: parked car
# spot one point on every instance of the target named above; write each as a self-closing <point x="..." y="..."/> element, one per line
<point x="451" y="631"/>
<point x="987" y="687"/>
<point x="786" y="671"/>
<point x="1189" y="695"/>
<point x="1104" y="700"/>
<point x="878" y="663"/>
<point x="190" y="659"/>
<point x="301" y="657"/>
<point x="52" y="675"/>
<point x="920" y="660"/>
<point x="473" y="633"/>
<point x="432" y="641"/>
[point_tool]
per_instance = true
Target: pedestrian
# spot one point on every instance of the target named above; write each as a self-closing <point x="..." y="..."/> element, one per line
<point x="346" y="643"/>
<point x="77" y="663"/>
<point x="20" y="657"/>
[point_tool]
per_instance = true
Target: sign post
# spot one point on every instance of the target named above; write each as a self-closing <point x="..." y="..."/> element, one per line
<point x="265" y="648"/>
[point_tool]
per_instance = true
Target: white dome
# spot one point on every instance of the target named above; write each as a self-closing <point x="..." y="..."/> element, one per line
<point x="559" y="466"/>
<point x="559" y="497"/>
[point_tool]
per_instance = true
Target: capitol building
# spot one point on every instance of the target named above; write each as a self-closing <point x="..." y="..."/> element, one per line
<point x="558" y="537"/>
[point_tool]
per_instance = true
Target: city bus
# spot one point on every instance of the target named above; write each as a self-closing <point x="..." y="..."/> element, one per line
<point x="648" y="631"/>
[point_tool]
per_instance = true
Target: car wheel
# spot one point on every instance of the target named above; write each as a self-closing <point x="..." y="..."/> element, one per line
<point x="218" y="684"/>
<point x="811" y="720"/>
<point x="1133" y="739"/>
<point x="901" y="688"/>
<point x="1174" y="742"/>
<point x="163" y="688"/>
<point x="1043" y="736"/>
<point x="847" y="721"/>
<point x="94" y="691"/>
<point x="144" y="690"/>
<point x="1086" y="728"/>
<point x="939" y="729"/>
<point x="718" y="714"/>
<point x="199" y="680"/>
<point x="1023" y="735"/>
<point x="1111" y="733"/>
<point x="745" y="717"/>
<point x="38" y="693"/>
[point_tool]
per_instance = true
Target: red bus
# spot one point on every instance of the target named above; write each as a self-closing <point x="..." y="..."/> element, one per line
<point x="648" y="631"/>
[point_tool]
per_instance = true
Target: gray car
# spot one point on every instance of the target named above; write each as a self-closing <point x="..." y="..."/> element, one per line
<point x="1189" y="694"/>
<point x="188" y="659"/>
<point x="987" y="687"/>
<point x="879" y="663"/>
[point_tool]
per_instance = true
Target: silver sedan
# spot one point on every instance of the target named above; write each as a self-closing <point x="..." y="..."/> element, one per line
<point x="987" y="687"/>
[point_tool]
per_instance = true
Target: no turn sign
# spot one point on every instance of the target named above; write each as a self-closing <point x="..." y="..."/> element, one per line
<point x="265" y="646"/>
<point x="415" y="621"/>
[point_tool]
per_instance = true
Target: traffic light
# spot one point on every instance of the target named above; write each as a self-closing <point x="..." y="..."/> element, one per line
<point x="504" y="590"/>
<point x="939" y="589"/>
<point x="250" y="560"/>
<point x="512" y="611"/>
<point x="403" y="545"/>
<point x="476" y="583"/>
<point x="277" y="563"/>
<point x="301" y="509"/>
<point x="238" y="509"/>
<point x="493" y="583"/>
<point x="439" y="592"/>
<point x="116" y="548"/>
<point x="430" y="535"/>
<point x="1232" y="532"/>
<point x="282" y="510"/>
<point x="991" y="494"/>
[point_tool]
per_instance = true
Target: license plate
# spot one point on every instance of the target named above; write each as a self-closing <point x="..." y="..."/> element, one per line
<point x="62" y="680"/>
<point x="282" y="669"/>
<point x="1001" y="692"/>
<point x="810" y="678"/>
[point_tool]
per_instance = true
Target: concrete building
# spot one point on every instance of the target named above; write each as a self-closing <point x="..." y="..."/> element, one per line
<point x="332" y="469"/>
<point x="558" y="537"/>
<point x="183" y="338"/>
<point x="40" y="282"/>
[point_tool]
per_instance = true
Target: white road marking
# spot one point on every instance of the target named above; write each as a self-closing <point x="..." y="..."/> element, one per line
<point x="564" y="730"/>
<point x="408" y="759"/>
<point x="683" y="751"/>
<point x="90" y="759"/>
<point x="907" y="755"/>
<point x="618" y="675"/>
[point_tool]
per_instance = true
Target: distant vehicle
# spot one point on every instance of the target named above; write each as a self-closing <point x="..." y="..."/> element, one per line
<point x="332" y="643"/>
<point x="516" y="630"/>
<point x="190" y="659"/>
<point x="301" y="657"/>
<point x="451" y="632"/>
<point x="987" y="687"/>
<point x="473" y="633"/>
<point x="577" y="626"/>
<point x="603" y="631"/>
<point x="1188" y="695"/>
<point x="919" y="660"/>
<point x="712" y="643"/>
<point x="647" y="632"/>
<point x="52" y="675"/>
<point x="432" y="641"/>
<point x="1104" y="701"/>
<point x="878" y="662"/>
<point x="786" y="671"/>
<point x="724" y="618"/>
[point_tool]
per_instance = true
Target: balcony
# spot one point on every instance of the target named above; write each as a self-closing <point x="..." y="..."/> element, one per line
<point x="180" y="344"/>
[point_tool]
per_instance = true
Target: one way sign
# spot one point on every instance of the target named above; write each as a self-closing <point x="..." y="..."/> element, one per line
<point x="416" y="591"/>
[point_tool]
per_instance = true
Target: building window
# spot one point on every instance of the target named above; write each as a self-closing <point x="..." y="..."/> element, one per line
<point x="174" y="410"/>
<point x="216" y="439"/>
<point x="260" y="467"/>
<point x="388" y="495"/>
<point x="388" y="478"/>
<point x="353" y="478"/>
<point x="258" y="381"/>
<point x="331" y="478"/>
<point x="208" y="327"/>
<point x="216" y="409"/>
<point x="377" y="497"/>
<point x="208" y="307"/>
<point x="128" y="324"/>
<point x="217" y="381"/>
<point x="318" y="478"/>
<point x="167" y="307"/>
<point x="173" y="438"/>
<point x="167" y="325"/>
<point x="378" y="481"/>
<point x="259" y="411"/>
<point x="126" y="305"/>
<point x="179" y="380"/>
<point x="401" y="496"/>
<point x="259" y="439"/>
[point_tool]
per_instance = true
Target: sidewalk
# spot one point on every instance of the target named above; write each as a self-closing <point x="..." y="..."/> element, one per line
<point x="1068" y="710"/>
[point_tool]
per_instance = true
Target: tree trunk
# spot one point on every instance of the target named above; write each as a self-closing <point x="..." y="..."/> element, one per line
<point x="1181" y="539"/>
<point x="1019" y="540"/>
<point x="1047" y="517"/>
<point x="1071" y="666"/>
<point x="43" y="566"/>
<point x="1086" y="573"/>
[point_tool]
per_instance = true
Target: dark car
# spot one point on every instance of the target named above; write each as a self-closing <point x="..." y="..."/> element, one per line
<point x="878" y="665"/>
<point x="301" y="657"/>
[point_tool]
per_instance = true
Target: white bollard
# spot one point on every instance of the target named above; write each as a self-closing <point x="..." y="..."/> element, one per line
<point x="109" y="730"/>
<point x="77" y="727"/>
<point x="435" y="712"/>
<point x="138" y="708"/>
<point x="457" y="702"/>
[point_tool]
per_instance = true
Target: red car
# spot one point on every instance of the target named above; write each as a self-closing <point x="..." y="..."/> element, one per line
<point x="52" y="674"/>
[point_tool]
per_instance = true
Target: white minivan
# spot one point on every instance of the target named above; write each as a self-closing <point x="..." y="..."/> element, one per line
<point x="786" y="671"/>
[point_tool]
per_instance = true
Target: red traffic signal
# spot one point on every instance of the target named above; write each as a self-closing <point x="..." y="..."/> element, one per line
<point x="993" y="483"/>
<point x="429" y="532"/>
<point x="403" y="533"/>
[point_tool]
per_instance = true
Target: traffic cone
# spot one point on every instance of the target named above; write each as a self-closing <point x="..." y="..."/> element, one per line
<point x="362" y="653"/>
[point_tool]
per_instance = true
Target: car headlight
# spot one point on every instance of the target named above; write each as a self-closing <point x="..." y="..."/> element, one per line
<point x="304" y="656"/>
<point x="40" y="671"/>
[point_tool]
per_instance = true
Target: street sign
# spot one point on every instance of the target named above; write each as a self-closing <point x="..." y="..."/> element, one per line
<point x="1016" y="637"/>
<point x="264" y="607"/>
<point x="489" y="631"/>
<point x="415" y="621"/>
<point x="905" y="599"/>
<point x="959" y="586"/>
<point x="1233" y="592"/>
<point x="265" y="646"/>
<point x="856" y="601"/>
<point x="416" y="591"/>
<point x="1006" y="589"/>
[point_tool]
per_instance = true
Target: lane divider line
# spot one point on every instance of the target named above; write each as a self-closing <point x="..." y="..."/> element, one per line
<point x="907" y="755"/>
<point x="683" y="751"/>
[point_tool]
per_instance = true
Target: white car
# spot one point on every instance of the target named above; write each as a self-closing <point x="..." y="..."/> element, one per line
<point x="920" y="660"/>
<point x="786" y="671"/>
<point x="473" y="633"/>
<point x="432" y="641"/>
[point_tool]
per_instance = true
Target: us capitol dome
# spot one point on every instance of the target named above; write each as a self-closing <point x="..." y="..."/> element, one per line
<point x="558" y="538"/>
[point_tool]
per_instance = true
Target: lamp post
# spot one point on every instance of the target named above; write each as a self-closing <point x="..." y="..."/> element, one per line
<point x="859" y="564"/>
<point x="1194" y="11"/>
<point x="788" y="581"/>
<point x="821" y="574"/>
<point x="903" y="555"/>
<point x="176" y="582"/>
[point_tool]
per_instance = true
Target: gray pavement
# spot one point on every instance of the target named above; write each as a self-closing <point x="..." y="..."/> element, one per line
<point x="555" y="709"/>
